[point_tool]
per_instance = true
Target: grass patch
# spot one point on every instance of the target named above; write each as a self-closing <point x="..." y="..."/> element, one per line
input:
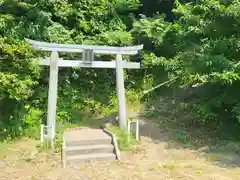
<point x="188" y="166"/>
<point x="125" y="141"/>
<point x="169" y="166"/>
<point x="4" y="148"/>
<point x="198" y="172"/>
<point x="182" y="137"/>
<point x="46" y="145"/>
<point x="59" y="135"/>
<point x="223" y="147"/>
<point x="227" y="146"/>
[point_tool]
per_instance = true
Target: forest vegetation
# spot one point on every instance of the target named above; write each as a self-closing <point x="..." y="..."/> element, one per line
<point x="195" y="41"/>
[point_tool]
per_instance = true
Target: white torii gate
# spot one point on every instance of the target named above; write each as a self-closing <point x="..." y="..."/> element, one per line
<point x="87" y="62"/>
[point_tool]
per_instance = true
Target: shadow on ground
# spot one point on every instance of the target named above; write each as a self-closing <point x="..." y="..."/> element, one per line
<point x="165" y="122"/>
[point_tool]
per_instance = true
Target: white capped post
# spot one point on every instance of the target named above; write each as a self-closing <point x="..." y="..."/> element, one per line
<point x="52" y="95"/>
<point x="121" y="93"/>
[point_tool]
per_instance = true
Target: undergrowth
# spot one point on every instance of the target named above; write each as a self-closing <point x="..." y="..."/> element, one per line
<point x="46" y="145"/>
<point x="174" y="117"/>
<point x="126" y="141"/>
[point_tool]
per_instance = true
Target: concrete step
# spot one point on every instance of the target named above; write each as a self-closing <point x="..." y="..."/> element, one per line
<point x="89" y="149"/>
<point x="90" y="157"/>
<point x="82" y="145"/>
<point x="88" y="142"/>
<point x="86" y="137"/>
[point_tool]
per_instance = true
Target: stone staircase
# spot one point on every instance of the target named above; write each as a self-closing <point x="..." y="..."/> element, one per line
<point x="80" y="145"/>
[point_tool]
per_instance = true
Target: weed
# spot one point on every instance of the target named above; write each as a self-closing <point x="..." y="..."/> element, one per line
<point x="138" y="150"/>
<point x="188" y="166"/>
<point x="198" y="172"/>
<point x="212" y="158"/>
<point x="46" y="145"/>
<point x="83" y="168"/>
<point x="182" y="137"/>
<point x="169" y="166"/>
<point x="233" y="147"/>
<point x="126" y="141"/>
<point x="149" y="112"/>
<point x="4" y="148"/>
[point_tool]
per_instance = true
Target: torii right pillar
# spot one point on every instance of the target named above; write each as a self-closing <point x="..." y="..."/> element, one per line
<point x="121" y="93"/>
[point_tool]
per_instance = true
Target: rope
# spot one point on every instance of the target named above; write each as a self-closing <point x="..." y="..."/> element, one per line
<point x="162" y="84"/>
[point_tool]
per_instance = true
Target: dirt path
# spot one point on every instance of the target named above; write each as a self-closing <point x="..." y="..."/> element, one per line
<point x="155" y="160"/>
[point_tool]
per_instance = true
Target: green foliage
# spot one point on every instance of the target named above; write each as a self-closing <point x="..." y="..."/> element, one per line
<point x="24" y="123"/>
<point x="83" y="93"/>
<point x="182" y="137"/>
<point x="204" y="113"/>
<point x="18" y="77"/>
<point x="18" y="70"/>
<point x="236" y="111"/>
<point x="200" y="46"/>
<point x="114" y="38"/>
<point x="197" y="42"/>
<point x="32" y="123"/>
<point x="152" y="30"/>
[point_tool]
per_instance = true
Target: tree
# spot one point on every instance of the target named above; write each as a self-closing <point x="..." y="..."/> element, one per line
<point x="60" y="21"/>
<point x="200" y="46"/>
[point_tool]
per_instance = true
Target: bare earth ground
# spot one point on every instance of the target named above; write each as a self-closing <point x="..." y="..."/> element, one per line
<point x="156" y="159"/>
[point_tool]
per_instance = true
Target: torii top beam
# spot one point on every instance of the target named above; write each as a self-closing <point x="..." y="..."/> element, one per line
<point x="44" y="46"/>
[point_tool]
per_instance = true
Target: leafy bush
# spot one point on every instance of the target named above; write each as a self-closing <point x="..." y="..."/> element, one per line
<point x="32" y="121"/>
<point x="197" y="42"/>
<point x="200" y="46"/>
<point x="82" y="93"/>
<point x="18" y="77"/>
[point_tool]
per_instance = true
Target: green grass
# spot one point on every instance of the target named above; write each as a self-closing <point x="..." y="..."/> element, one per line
<point x="182" y="137"/>
<point x="46" y="146"/>
<point x="4" y="148"/>
<point x="125" y="141"/>
<point x="169" y="166"/>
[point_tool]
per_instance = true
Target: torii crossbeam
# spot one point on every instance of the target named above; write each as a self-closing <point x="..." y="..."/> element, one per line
<point x="87" y="62"/>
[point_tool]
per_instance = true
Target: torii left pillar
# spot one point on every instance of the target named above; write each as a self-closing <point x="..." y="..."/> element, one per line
<point x="52" y="96"/>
